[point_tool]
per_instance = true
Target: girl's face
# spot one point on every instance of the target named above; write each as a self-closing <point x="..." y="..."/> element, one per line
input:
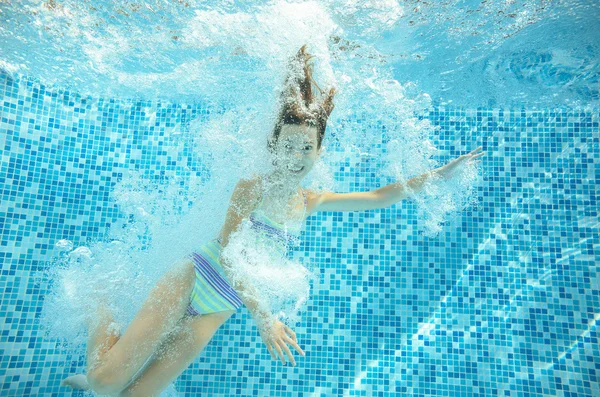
<point x="296" y="151"/>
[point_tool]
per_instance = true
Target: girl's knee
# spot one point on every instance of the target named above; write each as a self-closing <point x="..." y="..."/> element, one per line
<point x="98" y="382"/>
<point x="104" y="380"/>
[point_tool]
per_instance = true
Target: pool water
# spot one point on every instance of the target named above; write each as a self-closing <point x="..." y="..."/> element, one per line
<point x="120" y="151"/>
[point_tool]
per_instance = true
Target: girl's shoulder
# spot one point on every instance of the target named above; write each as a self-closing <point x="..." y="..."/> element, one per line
<point x="310" y="194"/>
<point x="312" y="198"/>
<point x="252" y="180"/>
<point x="255" y="177"/>
<point x="251" y="188"/>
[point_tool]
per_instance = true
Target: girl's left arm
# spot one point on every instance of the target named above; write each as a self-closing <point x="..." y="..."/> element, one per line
<point x="390" y="194"/>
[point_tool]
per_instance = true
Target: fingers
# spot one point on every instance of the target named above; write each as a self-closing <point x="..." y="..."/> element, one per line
<point x="291" y="333"/>
<point x="279" y="352"/>
<point x="472" y="155"/>
<point x="473" y="152"/>
<point x="296" y="346"/>
<point x="281" y="347"/>
<point x="279" y="341"/>
<point x="271" y="351"/>
<point x="294" y="340"/>
<point x="279" y="344"/>
<point x="288" y="353"/>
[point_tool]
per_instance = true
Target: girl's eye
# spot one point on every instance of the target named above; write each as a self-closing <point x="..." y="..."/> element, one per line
<point x="307" y="148"/>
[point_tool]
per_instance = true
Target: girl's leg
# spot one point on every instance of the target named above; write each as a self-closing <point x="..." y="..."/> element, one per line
<point x="102" y="337"/>
<point x="176" y="352"/>
<point x="112" y="368"/>
<point x="104" y="334"/>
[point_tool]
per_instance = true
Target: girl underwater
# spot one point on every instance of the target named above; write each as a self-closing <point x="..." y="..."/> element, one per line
<point x="195" y="297"/>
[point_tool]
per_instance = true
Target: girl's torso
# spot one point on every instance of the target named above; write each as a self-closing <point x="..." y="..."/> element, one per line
<point x="284" y="230"/>
<point x="281" y="235"/>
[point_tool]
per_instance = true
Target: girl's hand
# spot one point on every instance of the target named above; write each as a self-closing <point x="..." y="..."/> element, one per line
<point x="276" y="336"/>
<point x="447" y="171"/>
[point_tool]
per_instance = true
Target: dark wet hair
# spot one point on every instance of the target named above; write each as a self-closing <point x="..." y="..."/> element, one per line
<point x="299" y="106"/>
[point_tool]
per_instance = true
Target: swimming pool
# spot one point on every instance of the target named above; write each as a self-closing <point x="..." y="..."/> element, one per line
<point x="120" y="144"/>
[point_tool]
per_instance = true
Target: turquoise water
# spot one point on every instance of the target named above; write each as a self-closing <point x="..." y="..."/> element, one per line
<point x="121" y="145"/>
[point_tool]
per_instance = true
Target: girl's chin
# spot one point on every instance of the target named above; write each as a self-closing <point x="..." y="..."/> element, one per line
<point x="285" y="172"/>
<point x="290" y="172"/>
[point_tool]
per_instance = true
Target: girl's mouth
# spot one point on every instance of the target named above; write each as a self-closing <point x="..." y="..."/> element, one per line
<point x="295" y="170"/>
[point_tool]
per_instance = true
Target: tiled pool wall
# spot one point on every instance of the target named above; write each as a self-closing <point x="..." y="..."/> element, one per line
<point x="503" y="302"/>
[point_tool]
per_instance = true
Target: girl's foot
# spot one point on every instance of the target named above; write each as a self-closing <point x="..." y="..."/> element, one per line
<point x="77" y="382"/>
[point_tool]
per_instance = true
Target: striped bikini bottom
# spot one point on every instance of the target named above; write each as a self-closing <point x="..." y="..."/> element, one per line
<point x="212" y="292"/>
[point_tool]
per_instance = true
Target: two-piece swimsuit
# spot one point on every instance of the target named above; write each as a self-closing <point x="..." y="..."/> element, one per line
<point x="212" y="291"/>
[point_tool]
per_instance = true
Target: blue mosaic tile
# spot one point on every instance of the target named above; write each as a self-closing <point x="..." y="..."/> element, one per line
<point x="504" y="301"/>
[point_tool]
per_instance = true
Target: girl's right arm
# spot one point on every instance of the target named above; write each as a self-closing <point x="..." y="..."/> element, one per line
<point x="243" y="200"/>
<point x="274" y="333"/>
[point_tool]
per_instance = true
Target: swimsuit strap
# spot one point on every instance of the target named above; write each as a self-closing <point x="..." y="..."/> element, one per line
<point x="262" y="198"/>
<point x="304" y="194"/>
<point x="262" y="195"/>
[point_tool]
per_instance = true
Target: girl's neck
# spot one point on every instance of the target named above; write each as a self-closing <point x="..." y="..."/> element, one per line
<point x="276" y="183"/>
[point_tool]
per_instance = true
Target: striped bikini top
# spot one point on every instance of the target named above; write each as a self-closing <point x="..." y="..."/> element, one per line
<point x="287" y="233"/>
